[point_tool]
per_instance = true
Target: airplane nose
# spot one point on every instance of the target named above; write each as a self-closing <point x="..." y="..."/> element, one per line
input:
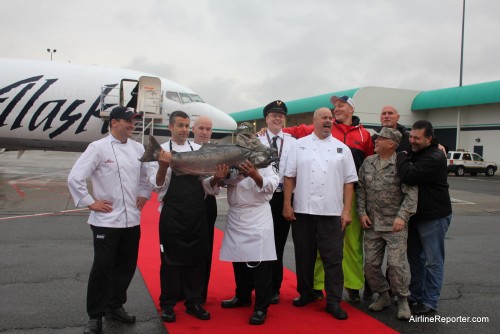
<point x="222" y="122"/>
<point x="226" y="121"/>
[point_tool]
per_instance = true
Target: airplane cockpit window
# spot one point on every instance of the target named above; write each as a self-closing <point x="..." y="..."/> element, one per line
<point x="173" y="96"/>
<point x="185" y="98"/>
<point x="196" y="98"/>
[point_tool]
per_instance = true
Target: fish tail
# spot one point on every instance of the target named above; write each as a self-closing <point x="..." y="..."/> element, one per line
<point x="152" y="150"/>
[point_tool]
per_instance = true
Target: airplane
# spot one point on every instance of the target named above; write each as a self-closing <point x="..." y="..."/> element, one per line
<point x="46" y="105"/>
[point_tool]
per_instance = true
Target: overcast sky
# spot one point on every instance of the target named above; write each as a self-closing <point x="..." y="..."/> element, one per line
<point x="241" y="54"/>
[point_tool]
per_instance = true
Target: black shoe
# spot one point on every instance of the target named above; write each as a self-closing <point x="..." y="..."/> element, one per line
<point x="275" y="299"/>
<point x="94" y="326"/>
<point x="198" y="311"/>
<point x="168" y="314"/>
<point x="257" y="318"/>
<point x="303" y="300"/>
<point x="421" y="309"/>
<point x="121" y="315"/>
<point x="318" y="294"/>
<point x="335" y="310"/>
<point x="353" y="295"/>
<point x="234" y="302"/>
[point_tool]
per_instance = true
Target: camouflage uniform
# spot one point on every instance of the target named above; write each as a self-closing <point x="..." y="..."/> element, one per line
<point x="382" y="197"/>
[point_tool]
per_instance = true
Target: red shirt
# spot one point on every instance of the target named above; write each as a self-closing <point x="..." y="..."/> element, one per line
<point x="355" y="136"/>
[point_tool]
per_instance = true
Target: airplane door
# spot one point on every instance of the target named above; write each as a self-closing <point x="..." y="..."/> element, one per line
<point x="128" y="93"/>
<point x="149" y="97"/>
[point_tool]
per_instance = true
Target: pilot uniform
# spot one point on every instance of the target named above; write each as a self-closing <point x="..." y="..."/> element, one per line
<point x="282" y="142"/>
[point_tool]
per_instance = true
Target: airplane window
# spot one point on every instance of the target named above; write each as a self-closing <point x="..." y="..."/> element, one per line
<point x="173" y="96"/>
<point x="196" y="98"/>
<point x="185" y="98"/>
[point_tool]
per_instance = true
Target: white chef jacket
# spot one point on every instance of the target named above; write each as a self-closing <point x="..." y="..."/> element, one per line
<point x="117" y="175"/>
<point x="321" y="168"/>
<point x="249" y="233"/>
<point x="163" y="188"/>
<point x="288" y="141"/>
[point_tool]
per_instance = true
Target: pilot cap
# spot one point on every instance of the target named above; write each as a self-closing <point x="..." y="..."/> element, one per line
<point x="123" y="113"/>
<point x="389" y="133"/>
<point x="277" y="106"/>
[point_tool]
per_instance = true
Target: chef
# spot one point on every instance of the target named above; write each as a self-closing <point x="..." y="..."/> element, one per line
<point x="249" y="237"/>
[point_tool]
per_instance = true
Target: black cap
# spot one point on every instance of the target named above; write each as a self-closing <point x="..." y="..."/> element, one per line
<point x="123" y="113"/>
<point x="275" y="106"/>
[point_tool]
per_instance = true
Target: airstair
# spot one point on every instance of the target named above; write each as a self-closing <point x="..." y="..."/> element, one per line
<point x="144" y="96"/>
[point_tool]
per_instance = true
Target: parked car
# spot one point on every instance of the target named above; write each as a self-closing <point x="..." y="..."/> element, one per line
<point x="461" y="162"/>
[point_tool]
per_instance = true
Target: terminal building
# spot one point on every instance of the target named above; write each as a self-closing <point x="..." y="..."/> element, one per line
<point x="474" y="110"/>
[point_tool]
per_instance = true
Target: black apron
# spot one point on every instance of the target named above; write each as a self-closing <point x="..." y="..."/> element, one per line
<point x="183" y="226"/>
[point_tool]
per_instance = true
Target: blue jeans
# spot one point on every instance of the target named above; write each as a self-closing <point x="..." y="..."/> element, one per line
<point x="426" y="259"/>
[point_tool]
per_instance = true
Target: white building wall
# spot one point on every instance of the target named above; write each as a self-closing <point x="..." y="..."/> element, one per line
<point x="370" y="101"/>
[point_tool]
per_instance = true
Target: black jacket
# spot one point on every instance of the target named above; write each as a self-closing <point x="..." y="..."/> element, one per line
<point x="427" y="168"/>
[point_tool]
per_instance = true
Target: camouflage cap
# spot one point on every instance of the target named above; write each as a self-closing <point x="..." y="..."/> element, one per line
<point x="389" y="133"/>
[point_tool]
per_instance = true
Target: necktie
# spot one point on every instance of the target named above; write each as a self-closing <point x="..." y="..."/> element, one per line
<point x="274" y="144"/>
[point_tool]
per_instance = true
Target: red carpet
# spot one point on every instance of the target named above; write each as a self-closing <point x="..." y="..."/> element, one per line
<point x="282" y="318"/>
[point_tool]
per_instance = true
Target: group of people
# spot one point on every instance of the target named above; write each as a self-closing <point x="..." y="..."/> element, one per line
<point x="348" y="197"/>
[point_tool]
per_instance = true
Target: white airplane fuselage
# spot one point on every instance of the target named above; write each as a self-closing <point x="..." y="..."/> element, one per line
<point x="57" y="106"/>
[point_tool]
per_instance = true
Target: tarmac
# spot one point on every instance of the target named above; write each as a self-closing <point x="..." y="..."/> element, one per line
<point x="46" y="255"/>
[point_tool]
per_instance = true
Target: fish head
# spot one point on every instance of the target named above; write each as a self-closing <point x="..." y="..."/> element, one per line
<point x="263" y="157"/>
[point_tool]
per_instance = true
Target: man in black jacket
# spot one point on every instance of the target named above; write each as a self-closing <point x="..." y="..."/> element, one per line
<point x="426" y="167"/>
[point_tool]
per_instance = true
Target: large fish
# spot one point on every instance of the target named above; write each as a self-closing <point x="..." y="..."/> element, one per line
<point x="203" y="161"/>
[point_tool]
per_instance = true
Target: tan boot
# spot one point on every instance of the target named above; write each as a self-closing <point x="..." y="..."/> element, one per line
<point x="404" y="312"/>
<point x="383" y="301"/>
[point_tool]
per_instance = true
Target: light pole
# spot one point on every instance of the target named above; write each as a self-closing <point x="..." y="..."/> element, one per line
<point x="457" y="144"/>
<point x="51" y="52"/>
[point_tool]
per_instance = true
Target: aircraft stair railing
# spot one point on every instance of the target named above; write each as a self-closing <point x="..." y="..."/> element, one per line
<point x="150" y="108"/>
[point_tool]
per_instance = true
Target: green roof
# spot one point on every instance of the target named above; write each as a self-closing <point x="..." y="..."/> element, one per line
<point x="483" y="93"/>
<point x="295" y="106"/>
